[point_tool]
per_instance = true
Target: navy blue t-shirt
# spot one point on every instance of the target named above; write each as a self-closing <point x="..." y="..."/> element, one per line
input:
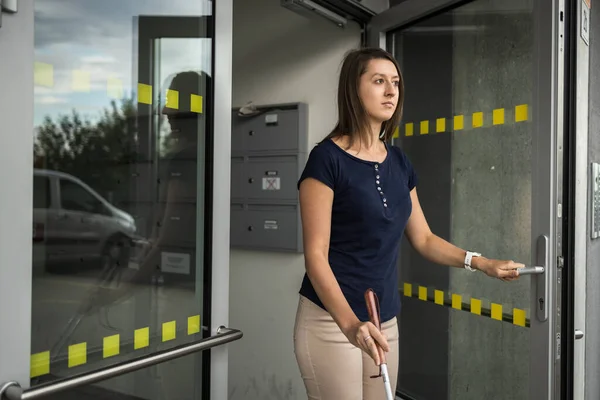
<point x="371" y="206"/>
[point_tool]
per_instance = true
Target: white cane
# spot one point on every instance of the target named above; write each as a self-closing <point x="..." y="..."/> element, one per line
<point x="373" y="308"/>
<point x="386" y="382"/>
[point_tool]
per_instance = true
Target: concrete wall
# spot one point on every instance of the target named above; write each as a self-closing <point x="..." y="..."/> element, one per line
<point x="475" y="190"/>
<point x="288" y="59"/>
<point x="592" y="329"/>
<point x="491" y="201"/>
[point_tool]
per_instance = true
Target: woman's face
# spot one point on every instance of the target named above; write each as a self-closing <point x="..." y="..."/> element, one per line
<point x="378" y="90"/>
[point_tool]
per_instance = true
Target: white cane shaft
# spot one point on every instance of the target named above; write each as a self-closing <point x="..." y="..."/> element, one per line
<point x="386" y="382"/>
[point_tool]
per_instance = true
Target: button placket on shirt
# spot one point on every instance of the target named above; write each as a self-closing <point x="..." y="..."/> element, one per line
<point x="378" y="183"/>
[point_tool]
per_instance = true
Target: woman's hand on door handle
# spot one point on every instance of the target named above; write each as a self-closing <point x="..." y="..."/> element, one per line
<point x="502" y="269"/>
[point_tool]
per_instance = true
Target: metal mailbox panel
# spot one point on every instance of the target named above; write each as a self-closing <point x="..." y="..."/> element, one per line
<point x="272" y="131"/>
<point x="178" y="227"/>
<point x="240" y="128"/>
<point x="262" y="227"/>
<point x="237" y="176"/>
<point x="143" y="182"/>
<point x="183" y="170"/>
<point x="271" y="178"/>
<point x="237" y="225"/>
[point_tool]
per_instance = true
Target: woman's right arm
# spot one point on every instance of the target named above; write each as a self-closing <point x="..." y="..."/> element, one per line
<point x="316" y="200"/>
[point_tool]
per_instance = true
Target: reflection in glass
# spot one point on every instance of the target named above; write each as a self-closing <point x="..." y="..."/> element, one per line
<point x="118" y="227"/>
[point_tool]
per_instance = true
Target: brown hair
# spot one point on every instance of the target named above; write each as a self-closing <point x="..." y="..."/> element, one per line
<point x="352" y="116"/>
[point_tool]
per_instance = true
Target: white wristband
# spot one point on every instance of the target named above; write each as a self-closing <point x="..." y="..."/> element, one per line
<point x="469" y="258"/>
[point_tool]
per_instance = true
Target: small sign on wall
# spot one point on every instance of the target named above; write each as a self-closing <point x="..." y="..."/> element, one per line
<point x="175" y="263"/>
<point x="585" y="21"/>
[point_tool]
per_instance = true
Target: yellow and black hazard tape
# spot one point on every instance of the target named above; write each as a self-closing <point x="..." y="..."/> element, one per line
<point x="81" y="82"/>
<point x="496" y="311"/>
<point x="85" y="352"/>
<point x="460" y="122"/>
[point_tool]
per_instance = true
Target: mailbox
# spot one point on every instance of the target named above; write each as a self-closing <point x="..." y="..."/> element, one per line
<point x="268" y="154"/>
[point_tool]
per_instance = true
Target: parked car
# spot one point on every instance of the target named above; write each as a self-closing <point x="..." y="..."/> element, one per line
<point x="72" y="223"/>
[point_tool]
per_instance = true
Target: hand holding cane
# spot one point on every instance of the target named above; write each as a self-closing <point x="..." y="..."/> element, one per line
<point x="373" y="308"/>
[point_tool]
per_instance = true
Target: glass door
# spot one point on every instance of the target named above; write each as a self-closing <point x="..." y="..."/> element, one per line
<point x="120" y="187"/>
<point x="481" y="127"/>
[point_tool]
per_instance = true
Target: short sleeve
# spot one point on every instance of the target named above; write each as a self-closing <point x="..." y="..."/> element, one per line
<point x="319" y="166"/>
<point x="409" y="169"/>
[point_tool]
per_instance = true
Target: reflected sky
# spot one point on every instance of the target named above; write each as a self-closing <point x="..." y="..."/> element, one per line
<point x="99" y="38"/>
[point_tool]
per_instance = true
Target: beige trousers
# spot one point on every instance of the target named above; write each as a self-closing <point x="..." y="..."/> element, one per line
<point x="331" y="367"/>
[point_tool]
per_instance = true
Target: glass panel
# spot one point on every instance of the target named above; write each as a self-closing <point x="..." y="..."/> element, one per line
<point x="118" y="236"/>
<point x="467" y="129"/>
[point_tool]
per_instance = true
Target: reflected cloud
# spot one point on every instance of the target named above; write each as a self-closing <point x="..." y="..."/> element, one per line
<point x="92" y="47"/>
<point x="50" y="100"/>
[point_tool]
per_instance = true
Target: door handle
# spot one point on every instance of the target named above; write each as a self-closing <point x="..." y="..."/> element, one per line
<point x="541" y="279"/>
<point x="578" y="334"/>
<point x="531" y="270"/>
<point x="13" y="391"/>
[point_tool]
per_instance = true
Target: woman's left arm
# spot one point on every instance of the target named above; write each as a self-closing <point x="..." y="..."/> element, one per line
<point x="439" y="251"/>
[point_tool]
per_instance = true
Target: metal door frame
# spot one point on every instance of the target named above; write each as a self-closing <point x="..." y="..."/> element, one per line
<point x="16" y="173"/>
<point x="151" y="28"/>
<point x="577" y="261"/>
<point x="222" y="97"/>
<point x="547" y="166"/>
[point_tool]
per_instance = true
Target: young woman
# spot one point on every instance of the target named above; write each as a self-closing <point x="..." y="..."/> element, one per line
<point x="358" y="197"/>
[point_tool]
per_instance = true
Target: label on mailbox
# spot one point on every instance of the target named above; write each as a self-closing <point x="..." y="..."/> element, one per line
<point x="271" y="224"/>
<point x="271" y="119"/>
<point x="271" y="183"/>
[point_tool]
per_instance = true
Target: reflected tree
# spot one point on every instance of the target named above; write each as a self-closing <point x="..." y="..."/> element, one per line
<point x="100" y="153"/>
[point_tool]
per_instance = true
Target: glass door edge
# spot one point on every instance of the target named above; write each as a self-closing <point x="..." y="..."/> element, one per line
<point x="222" y="78"/>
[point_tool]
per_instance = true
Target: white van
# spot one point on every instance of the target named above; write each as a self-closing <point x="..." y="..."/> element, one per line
<point x="74" y="224"/>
